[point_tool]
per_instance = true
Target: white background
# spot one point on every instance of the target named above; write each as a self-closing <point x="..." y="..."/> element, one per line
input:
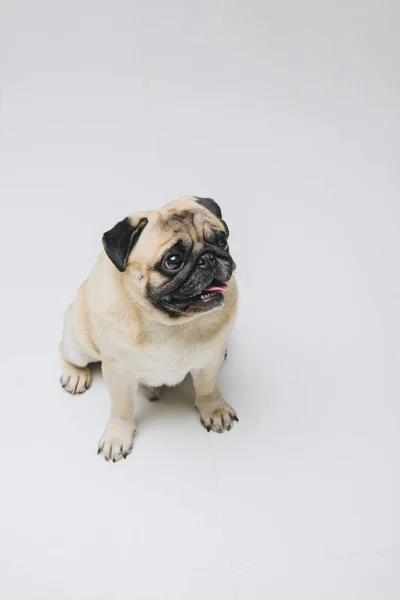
<point x="287" y="113"/>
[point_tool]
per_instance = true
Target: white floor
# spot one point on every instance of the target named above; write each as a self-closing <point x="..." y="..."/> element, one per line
<point x="287" y="113"/>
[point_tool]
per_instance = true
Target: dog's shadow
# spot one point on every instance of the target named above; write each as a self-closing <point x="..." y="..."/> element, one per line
<point x="175" y="403"/>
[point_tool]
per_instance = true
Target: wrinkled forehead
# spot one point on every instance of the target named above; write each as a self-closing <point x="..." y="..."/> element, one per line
<point x="193" y="226"/>
<point x="196" y="224"/>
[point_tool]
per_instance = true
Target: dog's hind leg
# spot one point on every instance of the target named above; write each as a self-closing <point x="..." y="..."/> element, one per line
<point x="77" y="348"/>
<point x="75" y="380"/>
<point x="153" y="393"/>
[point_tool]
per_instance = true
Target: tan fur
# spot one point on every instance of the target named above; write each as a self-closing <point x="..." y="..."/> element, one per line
<point x="112" y="321"/>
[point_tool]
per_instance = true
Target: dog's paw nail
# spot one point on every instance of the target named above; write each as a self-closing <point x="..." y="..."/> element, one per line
<point x="99" y="450"/>
<point x="234" y="417"/>
<point x="205" y="425"/>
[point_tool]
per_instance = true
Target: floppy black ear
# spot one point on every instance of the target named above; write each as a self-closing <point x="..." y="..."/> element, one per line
<point x="211" y="205"/>
<point x="119" y="241"/>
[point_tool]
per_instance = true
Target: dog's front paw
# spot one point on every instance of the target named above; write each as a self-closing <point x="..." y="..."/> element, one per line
<point x="218" y="419"/>
<point x="117" y="440"/>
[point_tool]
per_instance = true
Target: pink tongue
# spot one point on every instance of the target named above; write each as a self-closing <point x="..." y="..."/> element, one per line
<point x="216" y="288"/>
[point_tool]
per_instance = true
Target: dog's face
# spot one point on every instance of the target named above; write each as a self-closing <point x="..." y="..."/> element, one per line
<point x="176" y="259"/>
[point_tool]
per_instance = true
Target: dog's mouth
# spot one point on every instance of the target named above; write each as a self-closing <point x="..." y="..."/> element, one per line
<point x="210" y="298"/>
<point x="213" y="289"/>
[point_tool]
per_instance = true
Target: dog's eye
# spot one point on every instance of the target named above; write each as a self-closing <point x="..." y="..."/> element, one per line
<point x="223" y="242"/>
<point x="174" y="262"/>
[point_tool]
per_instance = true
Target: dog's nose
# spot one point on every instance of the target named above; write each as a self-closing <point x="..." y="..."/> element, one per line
<point x="206" y="261"/>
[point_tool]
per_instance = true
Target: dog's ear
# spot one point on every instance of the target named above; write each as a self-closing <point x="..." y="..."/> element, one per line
<point x="210" y="205"/>
<point x="119" y="241"/>
<point x="214" y="208"/>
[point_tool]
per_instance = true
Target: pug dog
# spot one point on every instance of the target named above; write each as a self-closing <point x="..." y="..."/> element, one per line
<point x="159" y="304"/>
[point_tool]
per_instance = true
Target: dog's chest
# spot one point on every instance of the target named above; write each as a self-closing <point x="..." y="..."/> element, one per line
<point x="166" y="361"/>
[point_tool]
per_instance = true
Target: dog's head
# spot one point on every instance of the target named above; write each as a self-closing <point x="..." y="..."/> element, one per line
<point x="175" y="259"/>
